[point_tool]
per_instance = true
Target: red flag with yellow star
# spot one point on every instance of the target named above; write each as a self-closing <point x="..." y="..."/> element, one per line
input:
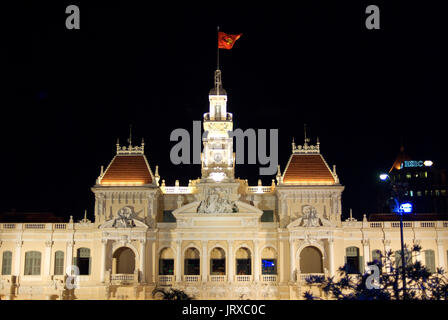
<point x="226" y="41"/>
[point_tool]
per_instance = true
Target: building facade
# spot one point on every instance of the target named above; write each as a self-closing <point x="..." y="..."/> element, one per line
<point x="217" y="238"/>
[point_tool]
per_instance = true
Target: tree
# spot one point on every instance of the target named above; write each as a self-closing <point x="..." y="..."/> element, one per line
<point x="421" y="284"/>
<point x="170" y="294"/>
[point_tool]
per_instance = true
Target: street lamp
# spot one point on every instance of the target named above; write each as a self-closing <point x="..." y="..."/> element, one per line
<point x="401" y="209"/>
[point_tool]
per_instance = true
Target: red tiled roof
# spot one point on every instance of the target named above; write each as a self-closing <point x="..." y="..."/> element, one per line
<point x="307" y="169"/>
<point x="127" y="169"/>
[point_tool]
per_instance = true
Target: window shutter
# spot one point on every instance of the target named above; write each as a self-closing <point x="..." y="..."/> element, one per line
<point x="430" y="261"/>
<point x="361" y="264"/>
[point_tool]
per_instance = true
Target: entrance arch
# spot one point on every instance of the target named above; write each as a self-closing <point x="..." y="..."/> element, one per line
<point x="311" y="260"/>
<point x="124" y="261"/>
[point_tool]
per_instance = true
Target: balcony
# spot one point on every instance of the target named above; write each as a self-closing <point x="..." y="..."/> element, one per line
<point x="303" y="276"/>
<point x="217" y="278"/>
<point x="192" y="278"/>
<point x="122" y="278"/>
<point x="269" y="278"/>
<point x="166" y="280"/>
<point x="243" y="278"/>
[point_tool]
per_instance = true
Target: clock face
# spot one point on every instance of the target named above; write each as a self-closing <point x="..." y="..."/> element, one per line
<point x="218" y="157"/>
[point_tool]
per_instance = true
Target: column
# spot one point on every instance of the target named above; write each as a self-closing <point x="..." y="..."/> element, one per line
<point x="178" y="262"/>
<point x="155" y="261"/>
<point x="103" y="259"/>
<point x="366" y="248"/>
<point x="292" y="260"/>
<point x="441" y="254"/>
<point x="281" y="267"/>
<point x="231" y="263"/>
<point x="69" y="261"/>
<point x="331" y="256"/>
<point x="257" y="263"/>
<point x="47" y="262"/>
<point x="18" y="254"/>
<point x="142" y="261"/>
<point x="204" y="260"/>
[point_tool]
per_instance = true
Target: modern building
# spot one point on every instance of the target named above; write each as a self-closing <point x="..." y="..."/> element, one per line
<point x="422" y="183"/>
<point x="217" y="238"/>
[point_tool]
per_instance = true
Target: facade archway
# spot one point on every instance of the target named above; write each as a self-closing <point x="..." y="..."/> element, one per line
<point x="166" y="261"/>
<point x="243" y="261"/>
<point x="123" y="261"/>
<point x="192" y="261"/>
<point x="311" y="260"/>
<point x="217" y="261"/>
<point x="268" y="261"/>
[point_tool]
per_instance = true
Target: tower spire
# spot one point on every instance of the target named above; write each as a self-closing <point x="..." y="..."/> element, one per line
<point x="217" y="49"/>
<point x="130" y="135"/>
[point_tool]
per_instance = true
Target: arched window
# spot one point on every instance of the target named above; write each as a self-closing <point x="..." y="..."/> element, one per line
<point x="407" y="256"/>
<point x="59" y="263"/>
<point x="83" y="261"/>
<point x="311" y="260"/>
<point x="32" y="263"/>
<point x="6" y="262"/>
<point x="166" y="262"/>
<point x="192" y="265"/>
<point x="268" y="261"/>
<point x="217" y="262"/>
<point x="430" y="261"/>
<point x="123" y="261"/>
<point x="243" y="262"/>
<point x="354" y="263"/>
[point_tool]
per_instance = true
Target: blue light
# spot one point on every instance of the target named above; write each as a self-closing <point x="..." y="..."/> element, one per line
<point x="406" y="207"/>
<point x="267" y="263"/>
<point x="384" y="176"/>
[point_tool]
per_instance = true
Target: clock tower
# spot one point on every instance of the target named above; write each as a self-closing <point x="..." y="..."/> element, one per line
<point x="218" y="159"/>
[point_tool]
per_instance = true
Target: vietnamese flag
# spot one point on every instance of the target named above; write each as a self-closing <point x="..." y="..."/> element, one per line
<point x="226" y="41"/>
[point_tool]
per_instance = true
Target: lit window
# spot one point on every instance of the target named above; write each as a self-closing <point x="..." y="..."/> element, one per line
<point x="437" y="192"/>
<point x="411" y="193"/>
<point x="426" y="174"/>
<point x="408" y="175"/>
<point x="443" y="192"/>
<point x="419" y="193"/>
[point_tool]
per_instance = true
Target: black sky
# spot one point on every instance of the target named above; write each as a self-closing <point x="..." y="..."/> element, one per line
<point x="69" y="94"/>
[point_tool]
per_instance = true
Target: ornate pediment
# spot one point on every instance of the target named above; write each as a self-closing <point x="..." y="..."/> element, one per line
<point x="125" y="218"/>
<point x="217" y="200"/>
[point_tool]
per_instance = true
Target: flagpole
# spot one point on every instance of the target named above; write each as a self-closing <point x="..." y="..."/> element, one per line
<point x="217" y="49"/>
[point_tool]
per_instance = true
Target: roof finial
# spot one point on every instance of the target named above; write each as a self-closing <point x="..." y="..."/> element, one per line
<point x="306" y="139"/>
<point x="130" y="135"/>
<point x="293" y="144"/>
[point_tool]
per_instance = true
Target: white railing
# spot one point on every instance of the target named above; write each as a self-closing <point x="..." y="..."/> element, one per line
<point x="192" y="278"/>
<point x="177" y="189"/>
<point x="269" y="278"/>
<point x="60" y="226"/>
<point x="217" y="278"/>
<point x="243" y="278"/>
<point x="166" y="279"/>
<point x="303" y="276"/>
<point x="376" y="224"/>
<point x="122" y="277"/>
<point x="427" y="224"/>
<point x="9" y="226"/>
<point x="34" y="225"/>
<point x="259" y="189"/>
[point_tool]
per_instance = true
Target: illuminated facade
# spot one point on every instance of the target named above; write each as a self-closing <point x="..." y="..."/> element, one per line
<point x="217" y="238"/>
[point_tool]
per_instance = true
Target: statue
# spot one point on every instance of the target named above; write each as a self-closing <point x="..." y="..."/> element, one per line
<point x="217" y="202"/>
<point x="124" y="219"/>
<point x="309" y="217"/>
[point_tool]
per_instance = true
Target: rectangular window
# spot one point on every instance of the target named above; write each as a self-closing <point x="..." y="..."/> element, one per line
<point x="168" y="216"/>
<point x="269" y="266"/>
<point x="32" y="263"/>
<point x="59" y="263"/>
<point x="430" y="261"/>
<point x="243" y="267"/>
<point x="218" y="266"/>
<point x="192" y="267"/>
<point x="6" y="263"/>
<point x="267" y="216"/>
<point x="166" y="267"/>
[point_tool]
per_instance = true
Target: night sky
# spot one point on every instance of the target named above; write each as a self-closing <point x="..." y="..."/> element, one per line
<point x="69" y="94"/>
